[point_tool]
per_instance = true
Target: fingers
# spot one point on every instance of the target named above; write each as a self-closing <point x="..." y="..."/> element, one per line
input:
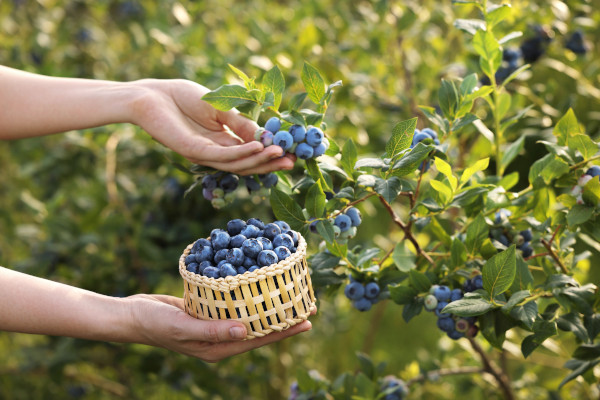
<point x="214" y="331"/>
<point x="203" y="153"/>
<point x="241" y="126"/>
<point x="268" y="160"/>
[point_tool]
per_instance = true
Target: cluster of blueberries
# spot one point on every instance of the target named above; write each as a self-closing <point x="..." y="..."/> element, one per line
<point x="504" y="234"/>
<point x="532" y="49"/>
<point x="304" y="142"/>
<point x="397" y="388"/>
<point x="577" y="190"/>
<point x="427" y="136"/>
<point x="218" y="187"/>
<point x="440" y="296"/>
<point x="243" y="246"/>
<point x="362" y="295"/>
<point x="345" y="224"/>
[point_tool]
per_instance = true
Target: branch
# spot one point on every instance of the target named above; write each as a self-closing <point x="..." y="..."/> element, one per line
<point x="407" y="232"/>
<point x="492" y="369"/>
<point x="553" y="254"/>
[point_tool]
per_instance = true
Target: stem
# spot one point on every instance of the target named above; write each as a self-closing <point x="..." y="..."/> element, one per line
<point x="387" y="255"/>
<point x="488" y="366"/>
<point x="553" y="254"/>
<point x="406" y="229"/>
<point x="431" y="375"/>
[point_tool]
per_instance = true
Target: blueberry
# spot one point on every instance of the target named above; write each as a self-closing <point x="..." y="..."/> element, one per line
<point x="593" y="171"/>
<point x="354" y="290"/>
<point x="313" y="225"/>
<point x="294" y="236"/>
<point x="203" y="265"/>
<point x="430" y="132"/>
<point x="237" y="240"/>
<point x="256" y="222"/>
<point x="284" y="226"/>
<point x="226" y="269"/>
<point x="442" y="293"/>
<point x="468" y="286"/>
<point x="298" y="132"/>
<point x="190" y="259"/>
<point x="205" y="253"/>
<point x="248" y="262"/>
<point x="440" y="307"/>
<point x="445" y="324"/>
<point x="430" y="302"/>
<point x="282" y="252"/>
<point x="273" y="124"/>
<point x="208" y="194"/>
<point x="354" y="215"/>
<point x="304" y="151"/>
<point x="211" y="272"/>
<point x="269" y="180"/>
<point x="266" y="138"/>
<point x="219" y="239"/>
<point x="527" y="235"/>
<point x="321" y="148"/>
<point x="272" y="230"/>
<point x="371" y="290"/>
<point x="209" y="182"/>
<point x="314" y="136"/>
<point x="251" y="247"/>
<point x="251" y="184"/>
<point x="266" y="243"/>
<point x="283" y="139"/>
<point x="478" y="282"/>
<point x="235" y="226"/>
<point x="198" y="244"/>
<point x="526" y="250"/>
<point x="456" y="294"/>
<point x="284" y="240"/>
<point x="576" y="44"/>
<point x="362" y="304"/>
<point x="229" y="183"/>
<point x="253" y="268"/>
<point x="501" y="215"/>
<point x="504" y="240"/>
<point x="220" y="255"/>
<point x="343" y="222"/>
<point x="235" y="257"/>
<point x="462" y="325"/>
<point x="419" y="137"/>
<point x="240" y="270"/>
<point x="511" y="55"/>
<point x="455" y="335"/>
<point x="266" y="258"/>
<point x="250" y="231"/>
<point x="192" y="267"/>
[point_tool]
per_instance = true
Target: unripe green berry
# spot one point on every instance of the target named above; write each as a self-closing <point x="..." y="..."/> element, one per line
<point x="218" y="203"/>
<point x="430" y="302"/>
<point x="218" y="193"/>
<point x="336" y="231"/>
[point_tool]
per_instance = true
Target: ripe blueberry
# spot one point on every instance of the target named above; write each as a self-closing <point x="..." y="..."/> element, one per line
<point x="266" y="258"/>
<point x="250" y="231"/>
<point x="272" y="230"/>
<point x="283" y="139"/>
<point x="251" y="247"/>
<point x="442" y="293"/>
<point x="251" y="184"/>
<point x="354" y="215"/>
<point x="354" y="290"/>
<point x="226" y="269"/>
<point x="478" y="282"/>
<point x="284" y="226"/>
<point x="221" y="255"/>
<point x="283" y="239"/>
<point x="235" y="226"/>
<point x="266" y="243"/>
<point x="362" y="304"/>
<point x="203" y="265"/>
<point x="192" y="267"/>
<point x="439" y="308"/>
<point x="211" y="272"/>
<point x="209" y="182"/>
<point x="314" y="136"/>
<point x="219" y="239"/>
<point x="321" y="148"/>
<point x="237" y="240"/>
<point x="343" y="222"/>
<point x="235" y="257"/>
<point x="229" y="183"/>
<point x="527" y="235"/>
<point x="273" y="124"/>
<point x="268" y="180"/>
<point x="253" y="268"/>
<point x="445" y="324"/>
<point x="282" y="252"/>
<point x="455" y="335"/>
<point x="456" y="295"/>
<point x="371" y="290"/>
<point x="304" y="151"/>
<point x="205" y="253"/>
<point x="256" y="222"/>
<point x="298" y="132"/>
<point x="240" y="270"/>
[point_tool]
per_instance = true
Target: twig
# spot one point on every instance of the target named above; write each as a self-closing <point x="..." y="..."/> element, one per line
<point x="406" y="229"/>
<point x="489" y="367"/>
<point x="387" y="255"/>
<point x="553" y="254"/>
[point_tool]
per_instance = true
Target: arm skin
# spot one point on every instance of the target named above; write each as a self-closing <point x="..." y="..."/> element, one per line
<point x="171" y="111"/>
<point x="39" y="306"/>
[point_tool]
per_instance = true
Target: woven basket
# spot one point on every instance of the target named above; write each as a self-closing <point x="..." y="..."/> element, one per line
<point x="269" y="299"/>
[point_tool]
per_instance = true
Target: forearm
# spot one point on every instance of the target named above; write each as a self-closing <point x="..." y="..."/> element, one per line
<point x="35" y="105"/>
<point x="33" y="305"/>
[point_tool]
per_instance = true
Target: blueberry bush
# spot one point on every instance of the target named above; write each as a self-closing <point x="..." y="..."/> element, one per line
<point x="448" y="191"/>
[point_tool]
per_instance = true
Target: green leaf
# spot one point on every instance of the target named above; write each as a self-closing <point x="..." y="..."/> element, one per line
<point x="542" y="330"/>
<point x="286" y="209"/>
<point x="579" y="214"/>
<point x="448" y="98"/>
<point x="349" y="156"/>
<point x="296" y="101"/>
<point x="537" y="167"/>
<point x="464" y="121"/>
<point x="582" y="143"/>
<point x="435" y="118"/>
<point x="293" y="117"/>
<point x="591" y="192"/>
<point x="411" y="161"/>
<point x="509" y="181"/>
<point x="249" y="83"/>
<point x="273" y="81"/>
<point x="480" y="165"/>
<point x="499" y="272"/>
<point x="493" y="326"/>
<point x="469" y="195"/>
<point x="401" y="139"/>
<point x="402" y="294"/>
<point x="333" y="149"/>
<point x="512" y="151"/>
<point x="468" y="307"/>
<point x="567" y="126"/>
<point x="403" y="258"/>
<point x="443" y="190"/>
<point x="580" y="368"/>
<point x="388" y="188"/>
<point x="227" y="97"/>
<point x="446" y="169"/>
<point x="419" y="281"/>
<point x="315" y="200"/>
<point x="523" y="278"/>
<point x="458" y="253"/>
<point x="572" y="322"/>
<point x="497" y="15"/>
<point x="313" y="83"/>
<point x="516" y="298"/>
<point x="486" y="45"/>
<point x="468" y="84"/>
<point x="556" y="168"/>
<point x="377" y="163"/>
<point x="469" y="25"/>
<point x="477" y="232"/>
<point x="526" y="313"/>
<point x="587" y="351"/>
<point x="367" y="180"/>
<point x="411" y="310"/>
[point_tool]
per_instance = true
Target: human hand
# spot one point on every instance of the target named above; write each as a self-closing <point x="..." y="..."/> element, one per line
<point x="161" y="321"/>
<point x="173" y="112"/>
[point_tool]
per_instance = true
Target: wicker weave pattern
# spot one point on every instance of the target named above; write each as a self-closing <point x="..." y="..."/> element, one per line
<point x="269" y="299"/>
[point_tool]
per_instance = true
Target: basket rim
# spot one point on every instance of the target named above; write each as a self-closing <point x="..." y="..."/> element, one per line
<point x="232" y="282"/>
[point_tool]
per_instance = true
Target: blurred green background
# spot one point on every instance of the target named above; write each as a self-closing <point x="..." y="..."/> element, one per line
<point x="103" y="209"/>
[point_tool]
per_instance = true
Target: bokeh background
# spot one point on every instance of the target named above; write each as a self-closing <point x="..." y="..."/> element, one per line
<point x="103" y="209"/>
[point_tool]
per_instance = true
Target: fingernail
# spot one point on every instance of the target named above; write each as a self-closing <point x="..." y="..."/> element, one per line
<point x="237" y="332"/>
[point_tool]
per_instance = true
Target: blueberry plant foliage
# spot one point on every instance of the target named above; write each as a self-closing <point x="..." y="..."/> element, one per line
<point x="507" y="255"/>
